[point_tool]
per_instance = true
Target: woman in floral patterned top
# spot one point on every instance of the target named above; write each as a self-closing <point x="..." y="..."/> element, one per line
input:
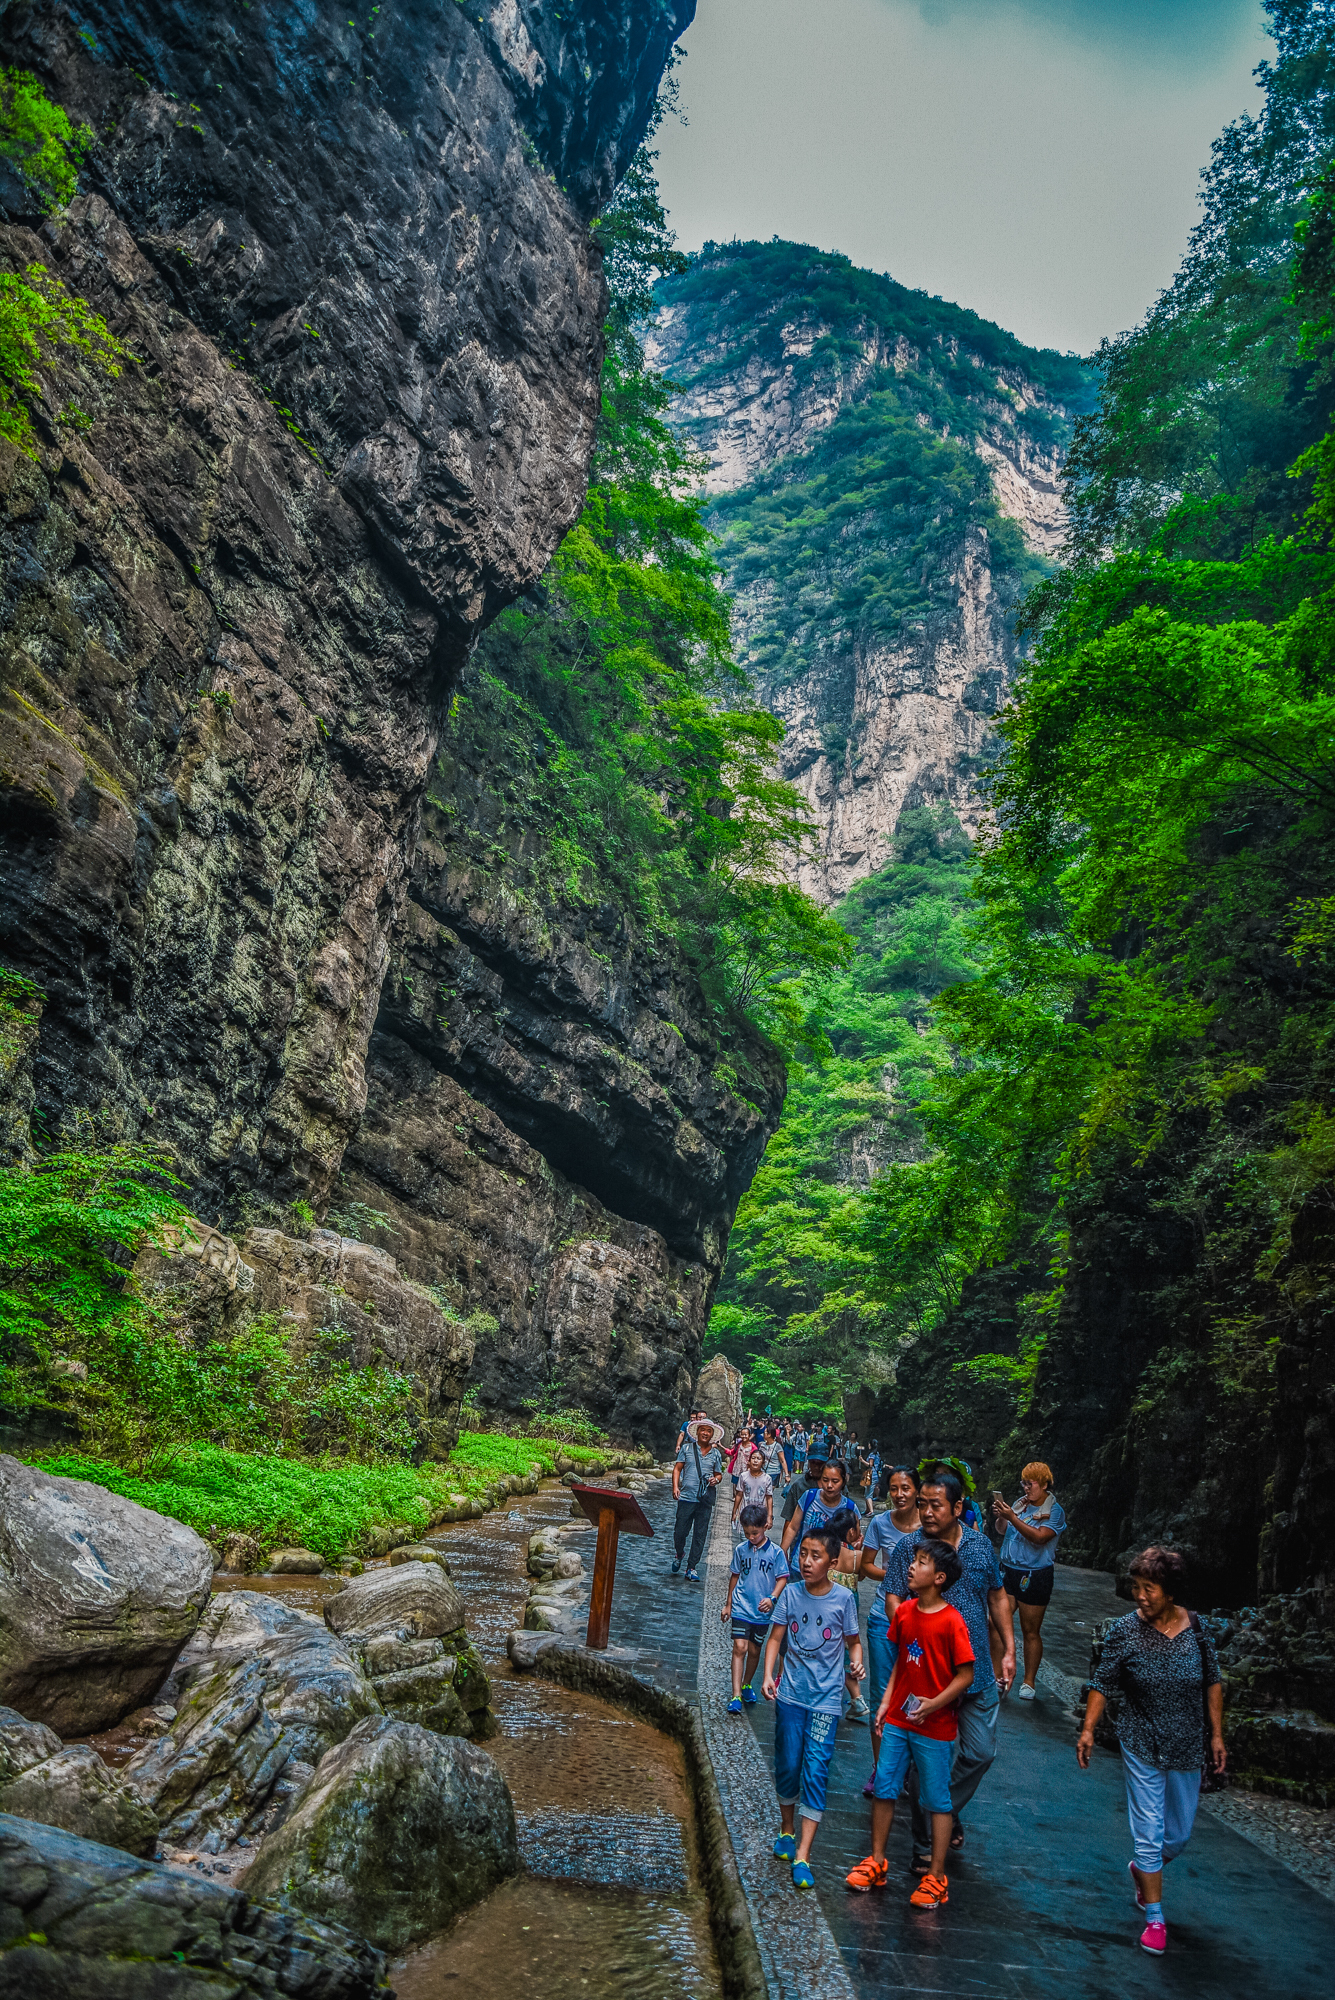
<point x="1162" y="1662"/>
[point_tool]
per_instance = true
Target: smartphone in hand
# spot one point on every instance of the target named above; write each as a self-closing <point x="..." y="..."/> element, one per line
<point x="912" y="1703"/>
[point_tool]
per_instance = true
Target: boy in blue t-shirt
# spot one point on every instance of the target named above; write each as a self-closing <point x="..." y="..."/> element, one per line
<point x="820" y="1620"/>
<point x="759" y="1573"/>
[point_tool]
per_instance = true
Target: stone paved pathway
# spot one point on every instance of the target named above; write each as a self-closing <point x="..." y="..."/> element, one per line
<point x="1040" y="1904"/>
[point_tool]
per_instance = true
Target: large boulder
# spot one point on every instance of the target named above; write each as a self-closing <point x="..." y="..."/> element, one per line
<point x="97" y="1598"/>
<point x="75" y="1790"/>
<point x="718" y="1391"/>
<point x="399" y="1830"/>
<point x="80" y="1919"/>
<point x="415" y="1599"/>
<point x="407" y="1623"/>
<point x="261" y="1692"/>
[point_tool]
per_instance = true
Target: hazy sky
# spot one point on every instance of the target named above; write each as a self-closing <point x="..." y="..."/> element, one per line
<point x="1034" y="159"/>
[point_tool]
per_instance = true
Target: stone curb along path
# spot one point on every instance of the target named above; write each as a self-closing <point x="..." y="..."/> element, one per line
<point x="798" y="1954"/>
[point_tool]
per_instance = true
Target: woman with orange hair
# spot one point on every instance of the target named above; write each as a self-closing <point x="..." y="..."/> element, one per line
<point x="1034" y="1525"/>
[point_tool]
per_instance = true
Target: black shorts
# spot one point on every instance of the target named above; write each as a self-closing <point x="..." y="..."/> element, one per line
<point x="1030" y="1586"/>
<point x="755" y="1635"/>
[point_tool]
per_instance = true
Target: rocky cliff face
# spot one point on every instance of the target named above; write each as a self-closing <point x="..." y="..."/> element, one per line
<point x="352" y="263"/>
<point x="796" y="373"/>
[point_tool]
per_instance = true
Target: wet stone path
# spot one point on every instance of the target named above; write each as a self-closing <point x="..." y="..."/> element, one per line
<point x="1040" y="1907"/>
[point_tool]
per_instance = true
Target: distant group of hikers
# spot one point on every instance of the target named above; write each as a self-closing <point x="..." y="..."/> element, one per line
<point x="940" y="1641"/>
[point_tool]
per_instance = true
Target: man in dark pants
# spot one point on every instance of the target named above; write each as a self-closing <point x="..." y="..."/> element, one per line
<point x="695" y="1479"/>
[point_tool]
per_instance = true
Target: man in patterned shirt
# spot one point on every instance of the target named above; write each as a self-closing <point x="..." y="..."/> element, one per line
<point x="978" y="1597"/>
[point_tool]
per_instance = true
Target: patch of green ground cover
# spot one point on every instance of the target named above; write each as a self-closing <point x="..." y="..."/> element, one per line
<point x="334" y="1506"/>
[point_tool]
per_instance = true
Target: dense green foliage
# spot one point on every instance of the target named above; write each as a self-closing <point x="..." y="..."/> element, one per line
<point x="38" y="317"/>
<point x="855" y="540"/>
<point x="1114" y="1237"/>
<point x="332" y="1507"/>
<point x="796" y="1263"/>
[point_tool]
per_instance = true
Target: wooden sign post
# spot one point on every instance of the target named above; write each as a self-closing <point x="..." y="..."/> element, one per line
<point x="610" y="1509"/>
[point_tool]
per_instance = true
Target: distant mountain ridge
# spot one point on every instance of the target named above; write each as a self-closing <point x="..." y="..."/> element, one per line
<point x="887" y="467"/>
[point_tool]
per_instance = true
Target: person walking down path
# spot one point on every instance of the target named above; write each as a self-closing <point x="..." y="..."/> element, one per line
<point x="818" y="1502"/>
<point x="755" y="1488"/>
<point x="1162" y="1661"/>
<point x="917" y="1714"/>
<point x="759" y="1573"/>
<point x="980" y="1600"/>
<point x="1033" y="1528"/>
<point x="695" y="1478"/>
<point x="881" y="1534"/>
<point x="776" y="1460"/>
<point x="820" y="1621"/>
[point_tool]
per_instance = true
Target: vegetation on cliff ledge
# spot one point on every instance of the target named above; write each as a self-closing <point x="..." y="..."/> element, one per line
<point x="1117" y="1235"/>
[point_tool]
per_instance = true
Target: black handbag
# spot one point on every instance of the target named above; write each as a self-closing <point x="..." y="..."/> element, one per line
<point x="1211" y="1780"/>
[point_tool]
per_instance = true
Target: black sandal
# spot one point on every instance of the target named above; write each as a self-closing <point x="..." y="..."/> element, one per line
<point x="957" y="1837"/>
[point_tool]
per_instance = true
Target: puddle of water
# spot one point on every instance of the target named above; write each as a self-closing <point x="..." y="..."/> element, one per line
<point x="305" y="1593"/>
<point x="563" y="1941"/>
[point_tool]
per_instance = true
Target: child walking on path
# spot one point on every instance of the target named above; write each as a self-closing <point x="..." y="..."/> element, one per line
<point x="819" y="1620"/>
<point x="759" y="1573"/>
<point x="933" y="1667"/>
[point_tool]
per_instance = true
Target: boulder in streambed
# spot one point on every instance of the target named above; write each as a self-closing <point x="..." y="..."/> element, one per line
<point x="416" y="1599"/>
<point x="80" y="1918"/>
<point x="295" y="1562"/>
<point x="69" y="1786"/>
<point x="261" y="1692"/>
<point x="418" y="1552"/>
<point x="399" y="1830"/>
<point x="97" y="1598"/>
<point x="408" y="1624"/>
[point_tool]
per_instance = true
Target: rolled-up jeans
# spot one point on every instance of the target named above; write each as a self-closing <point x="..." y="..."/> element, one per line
<point x="880" y="1657"/>
<point x="693" y="1518"/>
<point x="1161" y="1806"/>
<point x="975" y="1748"/>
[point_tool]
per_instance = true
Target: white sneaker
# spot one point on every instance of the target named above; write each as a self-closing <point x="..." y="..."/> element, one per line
<point x="1027" y="1691"/>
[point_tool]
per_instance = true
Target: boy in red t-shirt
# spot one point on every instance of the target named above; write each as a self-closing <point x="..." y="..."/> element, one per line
<point x="933" y="1667"/>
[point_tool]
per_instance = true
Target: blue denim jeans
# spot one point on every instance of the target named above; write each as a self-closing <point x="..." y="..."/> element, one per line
<point x="930" y="1757"/>
<point x="803" y="1747"/>
<point x="975" y="1748"/>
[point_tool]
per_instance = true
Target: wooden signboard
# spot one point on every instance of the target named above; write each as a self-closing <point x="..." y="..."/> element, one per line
<point x="611" y="1509"/>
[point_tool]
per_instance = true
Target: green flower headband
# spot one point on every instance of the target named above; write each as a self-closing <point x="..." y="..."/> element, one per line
<point x="959" y="1466"/>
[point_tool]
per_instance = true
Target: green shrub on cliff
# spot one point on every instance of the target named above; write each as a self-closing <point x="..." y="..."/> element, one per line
<point x="39" y="318"/>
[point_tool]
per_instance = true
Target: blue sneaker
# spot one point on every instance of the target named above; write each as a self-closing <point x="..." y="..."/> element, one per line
<point x="734" y="1706"/>
<point x="749" y="1694"/>
<point x="676" y="1567"/>
<point x="692" y="1576"/>
<point x="785" y="1847"/>
<point x="802" y="1876"/>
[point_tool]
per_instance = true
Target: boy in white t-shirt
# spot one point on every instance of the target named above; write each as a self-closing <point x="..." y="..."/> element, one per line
<point x="759" y="1573"/>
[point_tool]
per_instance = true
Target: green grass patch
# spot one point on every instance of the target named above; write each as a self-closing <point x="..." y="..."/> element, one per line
<point x="333" y="1506"/>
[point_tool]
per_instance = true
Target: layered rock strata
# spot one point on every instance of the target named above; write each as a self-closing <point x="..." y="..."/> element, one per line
<point x="367" y="330"/>
<point x="770" y="347"/>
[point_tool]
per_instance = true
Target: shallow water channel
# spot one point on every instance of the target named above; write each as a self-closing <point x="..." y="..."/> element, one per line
<point x="609" y="1902"/>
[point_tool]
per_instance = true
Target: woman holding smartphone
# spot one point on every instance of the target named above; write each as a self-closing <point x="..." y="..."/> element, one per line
<point x="1034" y="1526"/>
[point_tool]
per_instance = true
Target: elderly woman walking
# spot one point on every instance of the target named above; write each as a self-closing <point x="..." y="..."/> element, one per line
<point x="1161" y="1660"/>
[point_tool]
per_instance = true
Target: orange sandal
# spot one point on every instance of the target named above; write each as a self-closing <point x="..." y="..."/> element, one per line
<point x="931" y="1892"/>
<point x="869" y="1874"/>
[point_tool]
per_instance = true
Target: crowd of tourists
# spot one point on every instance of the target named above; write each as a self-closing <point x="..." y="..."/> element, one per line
<point x="940" y="1652"/>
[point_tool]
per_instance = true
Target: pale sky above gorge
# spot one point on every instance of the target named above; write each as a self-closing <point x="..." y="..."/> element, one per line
<point x="1037" y="160"/>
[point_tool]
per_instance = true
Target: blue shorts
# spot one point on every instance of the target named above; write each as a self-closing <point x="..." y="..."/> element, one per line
<point x="931" y="1759"/>
<point x="803" y="1747"/>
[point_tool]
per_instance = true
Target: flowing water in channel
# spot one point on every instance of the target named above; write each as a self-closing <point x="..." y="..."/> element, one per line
<point x="609" y="1902"/>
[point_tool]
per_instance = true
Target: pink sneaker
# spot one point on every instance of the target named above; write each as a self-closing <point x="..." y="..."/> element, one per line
<point x="1154" y="1938"/>
<point x="1135" y="1886"/>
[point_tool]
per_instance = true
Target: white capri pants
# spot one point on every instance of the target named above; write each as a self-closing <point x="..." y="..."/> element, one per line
<point x="1161" y="1806"/>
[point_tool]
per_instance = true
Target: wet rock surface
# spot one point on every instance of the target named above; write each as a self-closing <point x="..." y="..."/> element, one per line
<point x="399" y="1831"/>
<point x="97" y="1597"/>
<point x="79" y="1918"/>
